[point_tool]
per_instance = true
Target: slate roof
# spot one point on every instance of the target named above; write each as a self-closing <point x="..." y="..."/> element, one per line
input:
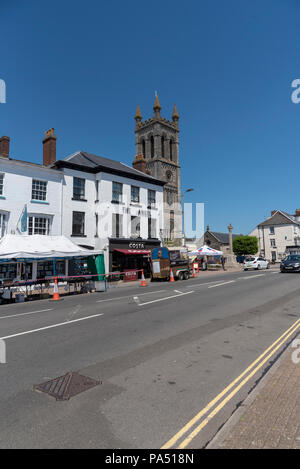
<point x="94" y="163"/>
<point x="279" y="218"/>
<point x="223" y="238"/>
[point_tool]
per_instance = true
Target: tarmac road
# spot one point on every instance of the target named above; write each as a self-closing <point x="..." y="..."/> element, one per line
<point x="162" y="353"/>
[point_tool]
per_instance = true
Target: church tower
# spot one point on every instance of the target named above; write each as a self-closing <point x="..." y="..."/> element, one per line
<point x="157" y="139"/>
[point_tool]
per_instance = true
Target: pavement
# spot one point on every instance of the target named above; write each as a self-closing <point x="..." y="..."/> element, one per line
<point x="270" y="417"/>
<point x="175" y="360"/>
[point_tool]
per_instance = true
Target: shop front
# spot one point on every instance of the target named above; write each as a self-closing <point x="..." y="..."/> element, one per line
<point x="126" y="256"/>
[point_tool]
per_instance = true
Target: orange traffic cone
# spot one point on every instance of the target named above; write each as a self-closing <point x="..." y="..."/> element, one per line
<point x="171" y="276"/>
<point x="143" y="281"/>
<point x="56" y="296"/>
<point x="194" y="273"/>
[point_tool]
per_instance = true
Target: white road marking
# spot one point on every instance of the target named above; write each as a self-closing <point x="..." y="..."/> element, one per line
<point x="219" y="284"/>
<point x="50" y="327"/>
<point x="167" y="298"/>
<point x="200" y="284"/>
<point x="177" y="291"/>
<point x="251" y="276"/>
<point x="24" y="314"/>
<point x="130" y="296"/>
<point x="275" y="272"/>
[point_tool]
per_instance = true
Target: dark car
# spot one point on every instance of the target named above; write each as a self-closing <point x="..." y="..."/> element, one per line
<point x="291" y="263"/>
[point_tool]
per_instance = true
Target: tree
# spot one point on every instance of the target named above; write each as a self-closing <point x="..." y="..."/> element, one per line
<point x="245" y="245"/>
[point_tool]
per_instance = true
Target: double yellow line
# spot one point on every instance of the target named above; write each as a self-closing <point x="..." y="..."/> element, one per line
<point x="263" y="358"/>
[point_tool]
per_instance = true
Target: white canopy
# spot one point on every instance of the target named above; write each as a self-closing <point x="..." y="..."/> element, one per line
<point x="18" y="247"/>
<point x="206" y="251"/>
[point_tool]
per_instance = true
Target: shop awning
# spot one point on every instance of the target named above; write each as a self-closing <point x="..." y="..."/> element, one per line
<point x="19" y="247"/>
<point x="133" y="251"/>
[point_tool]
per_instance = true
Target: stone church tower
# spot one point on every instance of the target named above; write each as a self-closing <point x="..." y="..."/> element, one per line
<point x="157" y="150"/>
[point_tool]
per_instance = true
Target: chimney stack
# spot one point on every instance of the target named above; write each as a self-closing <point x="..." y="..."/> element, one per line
<point x="4" y="146"/>
<point x="139" y="163"/>
<point x="49" y="148"/>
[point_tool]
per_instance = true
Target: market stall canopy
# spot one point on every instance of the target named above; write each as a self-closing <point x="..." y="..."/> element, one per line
<point x="206" y="251"/>
<point x="19" y="247"/>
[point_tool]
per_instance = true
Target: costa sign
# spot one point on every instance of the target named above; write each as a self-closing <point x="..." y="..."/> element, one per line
<point x="136" y="246"/>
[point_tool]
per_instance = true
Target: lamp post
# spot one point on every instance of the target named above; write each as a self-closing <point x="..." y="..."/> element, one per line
<point x="184" y="192"/>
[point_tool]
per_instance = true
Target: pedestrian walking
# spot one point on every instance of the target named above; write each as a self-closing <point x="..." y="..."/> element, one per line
<point x="223" y="260"/>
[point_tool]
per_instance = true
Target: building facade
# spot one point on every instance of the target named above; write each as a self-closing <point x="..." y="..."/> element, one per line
<point x="278" y="235"/>
<point x="217" y="240"/>
<point x="30" y="198"/>
<point x="111" y="206"/>
<point x="157" y="142"/>
<point x="97" y="202"/>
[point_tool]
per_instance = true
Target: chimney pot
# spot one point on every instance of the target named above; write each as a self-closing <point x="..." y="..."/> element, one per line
<point x="139" y="163"/>
<point x="49" y="148"/>
<point x="4" y="146"/>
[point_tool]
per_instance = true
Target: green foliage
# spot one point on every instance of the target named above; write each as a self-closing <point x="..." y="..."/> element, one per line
<point x="245" y="245"/>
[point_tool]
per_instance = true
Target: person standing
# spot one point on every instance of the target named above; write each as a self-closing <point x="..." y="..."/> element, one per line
<point x="223" y="260"/>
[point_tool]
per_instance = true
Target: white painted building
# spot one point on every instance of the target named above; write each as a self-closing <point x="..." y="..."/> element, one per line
<point x="111" y="206"/>
<point x="33" y="188"/>
<point x="278" y="234"/>
<point x="97" y="202"/>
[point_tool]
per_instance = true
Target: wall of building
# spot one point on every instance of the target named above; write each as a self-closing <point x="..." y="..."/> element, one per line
<point x="17" y="191"/>
<point x="105" y="208"/>
<point x="284" y="235"/>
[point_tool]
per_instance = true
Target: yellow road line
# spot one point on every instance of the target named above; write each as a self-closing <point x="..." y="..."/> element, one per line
<point x="195" y="419"/>
<point x="228" y="398"/>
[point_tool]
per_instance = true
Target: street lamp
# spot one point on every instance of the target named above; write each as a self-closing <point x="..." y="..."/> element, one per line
<point x="184" y="192"/>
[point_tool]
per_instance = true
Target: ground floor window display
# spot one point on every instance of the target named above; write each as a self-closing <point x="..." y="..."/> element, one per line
<point x="46" y="269"/>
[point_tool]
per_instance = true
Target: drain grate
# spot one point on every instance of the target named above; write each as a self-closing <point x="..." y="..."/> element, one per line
<point x="66" y="386"/>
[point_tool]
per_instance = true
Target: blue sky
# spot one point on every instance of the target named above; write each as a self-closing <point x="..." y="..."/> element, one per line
<point x="82" y="68"/>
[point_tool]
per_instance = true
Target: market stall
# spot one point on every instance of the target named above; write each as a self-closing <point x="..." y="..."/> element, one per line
<point x="207" y="257"/>
<point x="29" y="263"/>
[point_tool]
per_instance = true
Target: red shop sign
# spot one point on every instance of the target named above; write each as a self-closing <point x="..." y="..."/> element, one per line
<point x="131" y="275"/>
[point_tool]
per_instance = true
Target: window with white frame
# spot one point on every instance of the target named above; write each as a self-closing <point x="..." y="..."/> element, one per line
<point x="272" y="230"/>
<point x="117" y="225"/>
<point x="135" y="227"/>
<point x="39" y="190"/>
<point x="151" y="198"/>
<point x="3" y="223"/>
<point x="272" y="243"/>
<point x="78" y="188"/>
<point x="78" y="224"/>
<point x="1" y="183"/>
<point x="135" y="194"/>
<point x="39" y="225"/>
<point x="117" y="191"/>
<point x="151" y="228"/>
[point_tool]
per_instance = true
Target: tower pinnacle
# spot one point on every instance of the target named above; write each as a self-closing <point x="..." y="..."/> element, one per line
<point x="157" y="108"/>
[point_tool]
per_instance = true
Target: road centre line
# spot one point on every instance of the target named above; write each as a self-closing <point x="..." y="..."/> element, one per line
<point x="200" y="284"/>
<point x="224" y="283"/>
<point x="251" y="276"/>
<point x="24" y="314"/>
<point x="130" y="296"/>
<point x="167" y="298"/>
<point x="197" y="417"/>
<point x="50" y="327"/>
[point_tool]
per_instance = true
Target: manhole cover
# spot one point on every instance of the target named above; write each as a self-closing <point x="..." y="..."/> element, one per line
<point x="66" y="386"/>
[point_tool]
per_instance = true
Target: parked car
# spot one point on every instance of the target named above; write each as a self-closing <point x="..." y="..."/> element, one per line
<point x="256" y="263"/>
<point x="291" y="263"/>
